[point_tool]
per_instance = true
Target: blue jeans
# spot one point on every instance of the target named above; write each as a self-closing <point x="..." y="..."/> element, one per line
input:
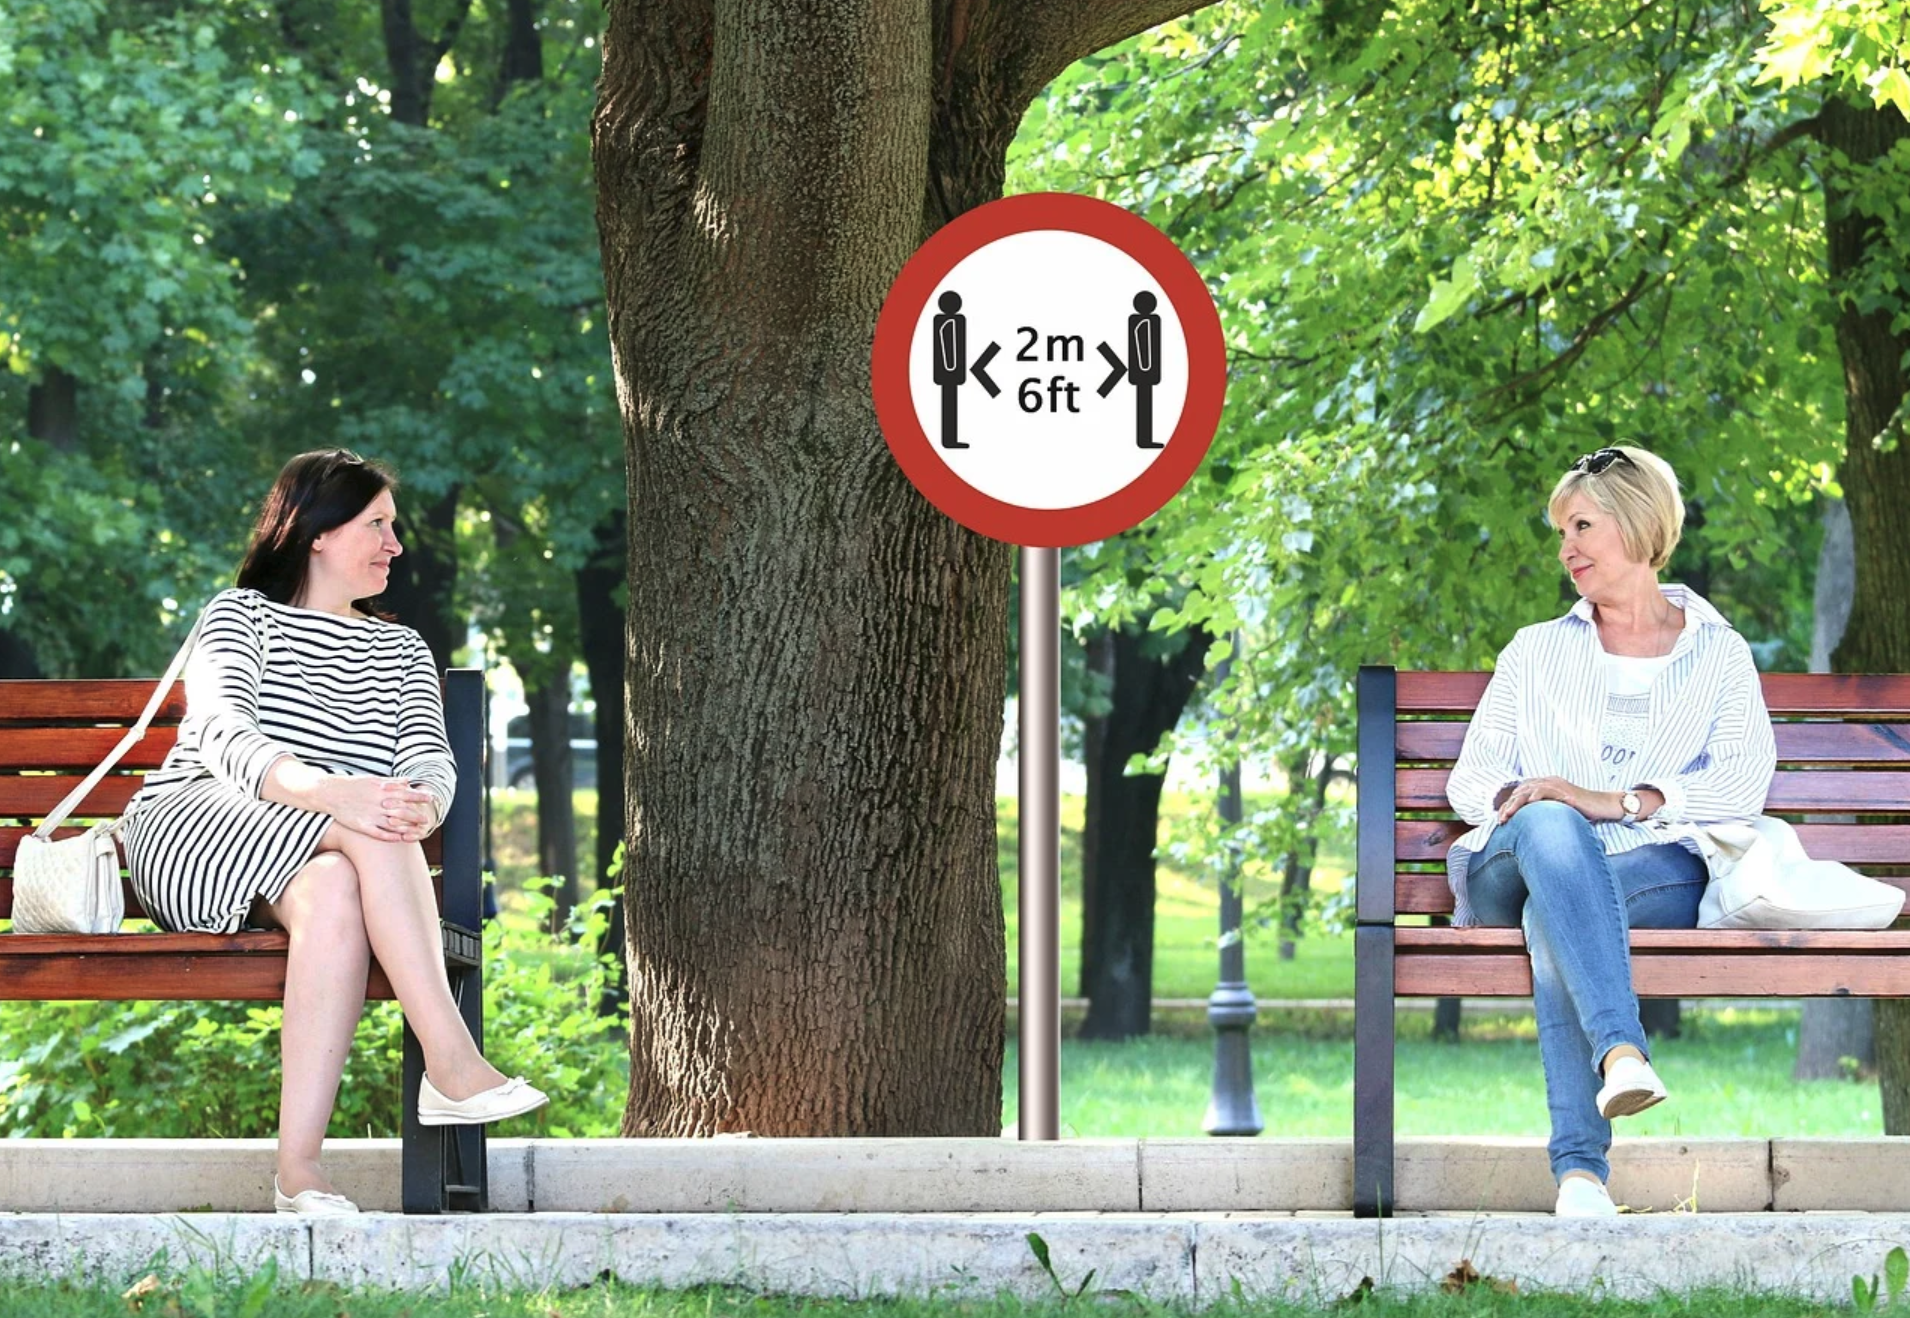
<point x="1545" y="871"/>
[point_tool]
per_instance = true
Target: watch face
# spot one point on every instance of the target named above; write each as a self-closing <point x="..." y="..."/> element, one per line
<point x="1629" y="802"/>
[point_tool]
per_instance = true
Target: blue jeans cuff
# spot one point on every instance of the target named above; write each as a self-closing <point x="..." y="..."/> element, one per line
<point x="1573" y="1162"/>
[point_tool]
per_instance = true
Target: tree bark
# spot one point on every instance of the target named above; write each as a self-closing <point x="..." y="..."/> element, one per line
<point x="816" y="656"/>
<point x="552" y="768"/>
<point x="1832" y="1029"/>
<point x="1147" y="698"/>
<point x="600" y="631"/>
<point x="1875" y="474"/>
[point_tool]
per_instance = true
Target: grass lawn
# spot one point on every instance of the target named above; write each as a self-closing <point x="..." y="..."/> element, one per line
<point x="1730" y="1074"/>
<point x="198" y="1296"/>
<point x="1186" y="910"/>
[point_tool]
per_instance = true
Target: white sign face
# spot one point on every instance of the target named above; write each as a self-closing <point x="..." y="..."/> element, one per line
<point x="1048" y="369"/>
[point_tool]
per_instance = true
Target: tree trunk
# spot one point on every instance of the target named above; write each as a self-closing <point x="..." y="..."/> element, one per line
<point x="1832" y="1029"/>
<point x="1662" y="1018"/>
<point x="53" y="410"/>
<point x="816" y="655"/>
<point x="413" y="58"/>
<point x="552" y="769"/>
<point x="1147" y="698"/>
<point x="425" y="576"/>
<point x="523" y="49"/>
<point x="1306" y="796"/>
<point x="600" y="632"/>
<point x="1875" y="475"/>
<point x="1094" y="736"/>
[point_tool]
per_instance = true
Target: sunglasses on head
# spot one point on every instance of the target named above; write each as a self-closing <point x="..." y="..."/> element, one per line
<point x="1594" y="463"/>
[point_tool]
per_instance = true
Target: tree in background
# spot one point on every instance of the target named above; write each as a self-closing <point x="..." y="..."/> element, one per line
<point x="1850" y="60"/>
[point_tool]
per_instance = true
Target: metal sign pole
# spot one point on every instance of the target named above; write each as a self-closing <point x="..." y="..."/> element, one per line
<point x="1040" y="824"/>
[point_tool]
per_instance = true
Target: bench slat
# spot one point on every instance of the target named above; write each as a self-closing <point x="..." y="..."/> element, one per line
<point x="1427" y="894"/>
<point x="1667" y="975"/>
<point x="1806" y="791"/>
<point x="11" y="834"/>
<point x="103" y="976"/>
<point x="1797" y="743"/>
<point x="100" y="699"/>
<point x="1876" y="694"/>
<point x="1689" y="941"/>
<point x="1854" y="844"/>
<point x="81" y="748"/>
<point x="30" y="797"/>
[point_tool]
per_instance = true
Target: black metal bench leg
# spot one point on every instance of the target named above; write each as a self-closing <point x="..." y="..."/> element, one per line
<point x="1373" y="1042"/>
<point x="445" y="1168"/>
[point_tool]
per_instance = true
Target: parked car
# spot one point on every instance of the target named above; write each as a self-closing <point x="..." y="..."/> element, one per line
<point x="583" y="752"/>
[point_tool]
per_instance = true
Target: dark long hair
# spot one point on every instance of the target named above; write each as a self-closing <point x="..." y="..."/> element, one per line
<point x="315" y="493"/>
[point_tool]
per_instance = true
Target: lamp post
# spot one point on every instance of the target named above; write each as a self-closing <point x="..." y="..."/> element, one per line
<point x="1230" y="1008"/>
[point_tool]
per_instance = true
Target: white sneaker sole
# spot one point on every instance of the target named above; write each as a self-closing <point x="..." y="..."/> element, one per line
<point x="452" y="1117"/>
<point x="1628" y="1102"/>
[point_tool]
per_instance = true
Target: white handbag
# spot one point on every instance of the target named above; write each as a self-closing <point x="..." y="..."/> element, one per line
<point x="72" y="886"/>
<point x="1762" y="879"/>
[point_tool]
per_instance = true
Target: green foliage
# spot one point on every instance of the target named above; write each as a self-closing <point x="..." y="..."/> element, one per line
<point x="206" y="1070"/>
<point x="1860" y="44"/>
<point x="1449" y="257"/>
<point x="1868" y="1297"/>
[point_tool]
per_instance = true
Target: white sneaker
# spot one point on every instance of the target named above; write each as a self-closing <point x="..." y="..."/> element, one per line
<point x="311" y="1203"/>
<point x="1579" y="1197"/>
<point x="1630" y="1086"/>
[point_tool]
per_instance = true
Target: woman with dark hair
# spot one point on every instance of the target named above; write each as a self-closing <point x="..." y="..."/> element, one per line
<point x="310" y="766"/>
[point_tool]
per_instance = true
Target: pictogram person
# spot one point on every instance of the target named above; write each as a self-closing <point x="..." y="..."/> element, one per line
<point x="1144" y="366"/>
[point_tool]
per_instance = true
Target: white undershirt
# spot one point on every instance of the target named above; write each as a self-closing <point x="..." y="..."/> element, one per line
<point x="1628" y="680"/>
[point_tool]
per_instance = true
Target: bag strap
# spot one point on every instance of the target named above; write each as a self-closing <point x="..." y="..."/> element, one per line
<point x="58" y="814"/>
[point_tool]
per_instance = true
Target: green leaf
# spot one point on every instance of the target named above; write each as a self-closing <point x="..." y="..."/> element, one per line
<point x="1891" y="86"/>
<point x="1448" y="295"/>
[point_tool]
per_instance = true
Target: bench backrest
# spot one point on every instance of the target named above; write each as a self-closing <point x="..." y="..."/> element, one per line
<point x="53" y="733"/>
<point x="1843" y="750"/>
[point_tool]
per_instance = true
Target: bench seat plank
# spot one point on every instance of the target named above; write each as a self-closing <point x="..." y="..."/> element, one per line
<point x="1662" y="974"/>
<point x="1806" y="791"/>
<point x="1478" y="938"/>
<point x="247" y="967"/>
<point x="1797" y="743"/>
<point x="41" y="701"/>
<point x="1427" y="840"/>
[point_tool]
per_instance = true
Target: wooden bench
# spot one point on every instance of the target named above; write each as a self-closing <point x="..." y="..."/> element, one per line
<point x="1843" y="748"/>
<point x="68" y="727"/>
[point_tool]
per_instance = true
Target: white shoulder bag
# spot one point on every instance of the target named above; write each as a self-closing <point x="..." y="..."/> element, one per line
<point x="72" y="886"/>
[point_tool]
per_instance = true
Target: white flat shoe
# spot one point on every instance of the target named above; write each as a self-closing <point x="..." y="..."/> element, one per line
<point x="1579" y="1197"/>
<point x="513" y="1098"/>
<point x="311" y="1203"/>
<point x="1630" y="1086"/>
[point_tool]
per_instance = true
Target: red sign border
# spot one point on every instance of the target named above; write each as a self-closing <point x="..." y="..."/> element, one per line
<point x="1133" y="503"/>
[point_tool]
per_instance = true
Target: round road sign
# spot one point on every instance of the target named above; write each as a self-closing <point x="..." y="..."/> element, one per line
<point x="1049" y="369"/>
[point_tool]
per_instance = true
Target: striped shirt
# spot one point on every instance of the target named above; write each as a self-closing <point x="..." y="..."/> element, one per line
<point x="1709" y="749"/>
<point x="267" y="680"/>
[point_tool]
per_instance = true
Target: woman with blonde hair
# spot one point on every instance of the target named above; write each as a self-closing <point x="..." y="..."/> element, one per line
<point x="1605" y="740"/>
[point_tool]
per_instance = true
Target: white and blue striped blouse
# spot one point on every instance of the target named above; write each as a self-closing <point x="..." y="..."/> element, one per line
<point x="1710" y="749"/>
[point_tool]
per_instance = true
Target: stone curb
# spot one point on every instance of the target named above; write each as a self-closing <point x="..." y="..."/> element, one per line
<point x="734" y="1175"/>
<point x="1189" y="1258"/>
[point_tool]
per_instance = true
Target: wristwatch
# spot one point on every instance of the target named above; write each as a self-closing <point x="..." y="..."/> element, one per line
<point x="1631" y="805"/>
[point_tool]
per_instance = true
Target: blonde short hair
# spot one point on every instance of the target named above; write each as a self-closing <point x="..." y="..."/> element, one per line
<point x="1640" y="494"/>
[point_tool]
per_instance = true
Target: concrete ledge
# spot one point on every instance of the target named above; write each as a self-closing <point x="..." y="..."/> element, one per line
<point x="1245" y="1175"/>
<point x="1648" y="1175"/>
<point x="836" y="1176"/>
<point x="227" y="1176"/>
<point x="971" y="1175"/>
<point x="1873" y="1175"/>
<point x="1193" y="1258"/>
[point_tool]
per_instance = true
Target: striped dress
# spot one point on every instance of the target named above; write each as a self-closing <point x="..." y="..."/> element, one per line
<point x="1705" y="742"/>
<point x="266" y="680"/>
